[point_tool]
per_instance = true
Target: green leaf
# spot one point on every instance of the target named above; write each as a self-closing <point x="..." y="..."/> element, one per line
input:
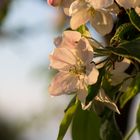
<point x="129" y="49"/>
<point x="85" y="125"/>
<point x="124" y="32"/>
<point x="131" y="91"/>
<point x="109" y="130"/>
<point x="138" y="119"/>
<point x="71" y="103"/>
<point x="66" y="121"/>
<point x="94" y="89"/>
<point x="134" y="18"/>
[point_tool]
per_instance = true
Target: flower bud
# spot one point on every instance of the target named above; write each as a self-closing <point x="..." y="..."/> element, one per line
<point x="54" y="2"/>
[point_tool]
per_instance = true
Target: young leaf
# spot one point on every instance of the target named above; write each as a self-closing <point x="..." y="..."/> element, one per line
<point x="129" y="49"/>
<point x="85" y="125"/>
<point x="105" y="100"/>
<point x="66" y="121"/>
<point x="131" y="91"/>
<point x="138" y="119"/>
<point x="134" y="18"/>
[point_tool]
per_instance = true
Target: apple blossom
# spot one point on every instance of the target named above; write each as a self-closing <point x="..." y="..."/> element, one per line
<point x="82" y="11"/>
<point x="118" y="73"/>
<point x="127" y="4"/>
<point x="73" y="59"/>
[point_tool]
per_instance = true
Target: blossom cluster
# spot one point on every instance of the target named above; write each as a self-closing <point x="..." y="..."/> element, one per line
<point x="74" y="55"/>
<point x="100" y="13"/>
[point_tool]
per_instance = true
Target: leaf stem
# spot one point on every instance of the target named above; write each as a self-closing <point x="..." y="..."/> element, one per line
<point x="128" y="136"/>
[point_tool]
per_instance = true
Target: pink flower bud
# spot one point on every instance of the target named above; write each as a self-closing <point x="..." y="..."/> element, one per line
<point x="54" y="2"/>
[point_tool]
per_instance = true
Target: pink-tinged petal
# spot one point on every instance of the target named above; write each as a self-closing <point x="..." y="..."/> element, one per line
<point x="124" y="3"/>
<point x="54" y="2"/>
<point x="118" y="77"/>
<point x="62" y="58"/>
<point x="102" y="21"/>
<point x="84" y="50"/>
<point x="118" y="73"/>
<point x="63" y="83"/>
<point x="114" y="8"/>
<point x="66" y="5"/>
<point x="122" y="66"/>
<point x="81" y="95"/>
<point x="137" y="9"/>
<point x="99" y="4"/>
<point x="128" y="3"/>
<point x="76" y="6"/>
<point x="58" y="41"/>
<point x="92" y="74"/>
<point x="70" y="39"/>
<point x="104" y="99"/>
<point x="79" y="18"/>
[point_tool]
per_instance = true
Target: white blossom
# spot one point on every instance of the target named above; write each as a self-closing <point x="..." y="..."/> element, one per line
<point x="127" y="4"/>
<point x="82" y="11"/>
<point x="73" y="59"/>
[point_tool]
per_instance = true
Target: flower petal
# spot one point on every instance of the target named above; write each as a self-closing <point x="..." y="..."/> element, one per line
<point x="66" y="5"/>
<point x="103" y="98"/>
<point x="63" y="83"/>
<point x="118" y="73"/>
<point x="58" y="41"/>
<point x="102" y="21"/>
<point x="81" y="95"/>
<point x="84" y="50"/>
<point x="114" y="8"/>
<point x="117" y="77"/>
<point x="128" y="3"/>
<point x="62" y="59"/>
<point x="137" y="9"/>
<point x="76" y="6"/>
<point x="68" y="40"/>
<point x="80" y="17"/>
<point x="99" y="4"/>
<point x="92" y="74"/>
<point x="122" y="66"/>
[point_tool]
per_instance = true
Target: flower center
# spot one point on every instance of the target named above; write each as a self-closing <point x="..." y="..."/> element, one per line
<point x="79" y="69"/>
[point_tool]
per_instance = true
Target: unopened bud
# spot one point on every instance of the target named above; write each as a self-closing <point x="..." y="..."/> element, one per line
<point x="54" y="2"/>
